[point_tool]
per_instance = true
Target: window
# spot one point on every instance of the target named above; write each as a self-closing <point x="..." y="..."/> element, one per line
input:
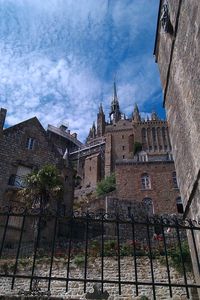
<point x="30" y="143"/>
<point x="179" y="205"/>
<point x="123" y="147"/>
<point x="122" y="136"/>
<point x="154" y="134"/>
<point x="123" y="156"/>
<point x="146" y="182"/>
<point x="175" y="184"/>
<point x="129" y="211"/>
<point x="148" y="205"/>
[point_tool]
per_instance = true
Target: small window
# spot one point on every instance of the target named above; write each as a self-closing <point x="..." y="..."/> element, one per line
<point x="90" y="168"/>
<point x="122" y="136"/>
<point x="175" y="184"/>
<point x="123" y="147"/>
<point x="30" y="143"/>
<point x="179" y="205"/>
<point x="123" y="156"/>
<point x="129" y="211"/>
<point x="146" y="182"/>
<point x="148" y="205"/>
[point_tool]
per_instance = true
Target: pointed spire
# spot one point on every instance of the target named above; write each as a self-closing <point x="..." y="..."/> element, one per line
<point x="101" y="109"/>
<point x="114" y="91"/>
<point x="136" y="109"/>
<point x="136" y="114"/>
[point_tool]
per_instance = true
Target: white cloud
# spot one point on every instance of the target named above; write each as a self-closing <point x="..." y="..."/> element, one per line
<point x="57" y="58"/>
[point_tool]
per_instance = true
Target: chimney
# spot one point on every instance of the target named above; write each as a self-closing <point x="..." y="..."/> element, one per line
<point x="3" y="112"/>
<point x="63" y="127"/>
<point x="74" y="135"/>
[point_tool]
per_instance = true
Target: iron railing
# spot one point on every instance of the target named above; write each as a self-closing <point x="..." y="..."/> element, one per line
<point x="52" y="236"/>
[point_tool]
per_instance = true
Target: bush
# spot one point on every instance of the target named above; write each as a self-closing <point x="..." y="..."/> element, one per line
<point x="79" y="260"/>
<point x="137" y="147"/>
<point x="105" y="186"/>
<point x="175" y="258"/>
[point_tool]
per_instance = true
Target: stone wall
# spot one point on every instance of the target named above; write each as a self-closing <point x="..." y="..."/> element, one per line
<point x="179" y="62"/>
<point x="162" y="190"/>
<point x="75" y="291"/>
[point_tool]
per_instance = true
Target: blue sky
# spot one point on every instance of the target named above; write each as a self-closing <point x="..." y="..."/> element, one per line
<point x="58" y="59"/>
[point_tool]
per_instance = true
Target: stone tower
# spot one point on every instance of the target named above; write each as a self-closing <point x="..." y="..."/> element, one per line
<point x="100" y="122"/>
<point x="115" y="114"/>
<point x="136" y="114"/>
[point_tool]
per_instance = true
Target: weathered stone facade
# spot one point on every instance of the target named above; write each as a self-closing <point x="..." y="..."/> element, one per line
<point x="132" y="147"/>
<point x="177" y="54"/>
<point x="23" y="148"/>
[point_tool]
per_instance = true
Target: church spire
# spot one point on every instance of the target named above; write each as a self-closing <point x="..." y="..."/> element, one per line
<point x="115" y="114"/>
<point x="136" y="114"/>
<point x="114" y="91"/>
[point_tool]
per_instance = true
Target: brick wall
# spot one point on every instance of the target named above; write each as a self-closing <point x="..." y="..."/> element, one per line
<point x="162" y="191"/>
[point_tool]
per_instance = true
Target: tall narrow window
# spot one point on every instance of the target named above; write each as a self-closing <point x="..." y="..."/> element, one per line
<point x="146" y="182"/>
<point x="179" y="205"/>
<point x="175" y="184"/>
<point x="154" y="135"/>
<point x="148" y="205"/>
<point x="30" y="143"/>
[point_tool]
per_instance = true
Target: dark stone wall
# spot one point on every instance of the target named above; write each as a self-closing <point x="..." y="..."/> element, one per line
<point x="179" y="63"/>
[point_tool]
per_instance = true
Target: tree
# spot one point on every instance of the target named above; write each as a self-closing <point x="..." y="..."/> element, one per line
<point x="42" y="186"/>
<point x="106" y="185"/>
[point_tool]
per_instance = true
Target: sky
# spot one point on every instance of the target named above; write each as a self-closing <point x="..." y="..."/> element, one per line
<point x="58" y="59"/>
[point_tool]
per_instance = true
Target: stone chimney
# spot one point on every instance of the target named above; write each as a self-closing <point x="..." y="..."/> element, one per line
<point x="3" y="112"/>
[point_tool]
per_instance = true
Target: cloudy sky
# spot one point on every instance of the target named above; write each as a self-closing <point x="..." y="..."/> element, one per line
<point x="58" y="59"/>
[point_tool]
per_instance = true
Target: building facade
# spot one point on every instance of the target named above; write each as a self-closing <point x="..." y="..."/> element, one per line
<point x="177" y="49"/>
<point x="138" y="151"/>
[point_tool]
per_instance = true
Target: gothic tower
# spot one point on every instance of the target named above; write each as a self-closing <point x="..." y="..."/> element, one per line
<point x="115" y="114"/>
<point x="136" y="114"/>
<point x="100" y="122"/>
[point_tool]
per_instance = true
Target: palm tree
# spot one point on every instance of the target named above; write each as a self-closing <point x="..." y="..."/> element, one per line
<point x="42" y="187"/>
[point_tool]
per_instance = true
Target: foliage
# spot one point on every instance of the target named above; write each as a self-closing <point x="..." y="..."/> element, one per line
<point x="42" y="185"/>
<point x="144" y="298"/>
<point x="110" y="248"/>
<point x="137" y="147"/>
<point x="175" y="257"/>
<point x="107" y="185"/>
<point x="79" y="260"/>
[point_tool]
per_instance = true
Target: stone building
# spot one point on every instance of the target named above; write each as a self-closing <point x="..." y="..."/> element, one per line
<point x="177" y="49"/>
<point x="138" y="151"/>
<point x="25" y="147"/>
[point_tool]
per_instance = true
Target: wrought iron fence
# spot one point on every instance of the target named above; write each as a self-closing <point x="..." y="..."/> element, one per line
<point x="33" y="241"/>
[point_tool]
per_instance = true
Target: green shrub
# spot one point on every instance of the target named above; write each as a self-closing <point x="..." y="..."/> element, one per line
<point x="175" y="257"/>
<point x="106" y="185"/>
<point x="144" y="298"/>
<point x="79" y="260"/>
<point x="137" y="147"/>
<point x="110" y="248"/>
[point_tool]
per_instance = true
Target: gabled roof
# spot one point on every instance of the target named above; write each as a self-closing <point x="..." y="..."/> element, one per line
<point x="33" y="121"/>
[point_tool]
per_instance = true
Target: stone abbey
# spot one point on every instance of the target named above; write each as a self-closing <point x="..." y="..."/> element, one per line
<point x="138" y="151"/>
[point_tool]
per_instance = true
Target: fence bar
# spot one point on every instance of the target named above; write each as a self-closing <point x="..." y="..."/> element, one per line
<point x="134" y="255"/>
<point x="167" y="260"/>
<point x="195" y="249"/>
<point x="118" y="256"/>
<point x="86" y="253"/>
<point x="151" y="260"/>
<point x="18" y="251"/>
<point x="35" y="251"/>
<point x="4" y="233"/>
<point x="102" y="253"/>
<point x="69" y="252"/>
<point x="52" y="251"/>
<point x="181" y="252"/>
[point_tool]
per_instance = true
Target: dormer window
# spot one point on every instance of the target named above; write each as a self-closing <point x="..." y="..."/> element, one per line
<point x="30" y="143"/>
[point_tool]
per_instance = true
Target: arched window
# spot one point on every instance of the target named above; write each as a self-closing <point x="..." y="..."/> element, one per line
<point x="175" y="184"/>
<point x="179" y="205"/>
<point x="148" y="205"/>
<point x="154" y="135"/>
<point x="146" y="182"/>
